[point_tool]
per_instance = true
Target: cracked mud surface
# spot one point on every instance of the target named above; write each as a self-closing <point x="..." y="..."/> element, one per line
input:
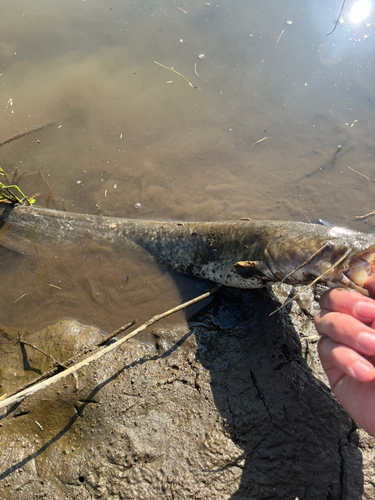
<point x="207" y="413"/>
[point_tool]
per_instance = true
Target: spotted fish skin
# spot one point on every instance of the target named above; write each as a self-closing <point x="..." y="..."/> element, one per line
<point x="242" y="254"/>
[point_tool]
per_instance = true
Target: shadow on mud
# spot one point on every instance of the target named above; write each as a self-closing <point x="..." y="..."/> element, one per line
<point x="294" y="440"/>
<point x="297" y="440"/>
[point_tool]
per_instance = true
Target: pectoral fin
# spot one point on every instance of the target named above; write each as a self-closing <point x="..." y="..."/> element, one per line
<point x="247" y="263"/>
<point x="255" y="269"/>
<point x="249" y="268"/>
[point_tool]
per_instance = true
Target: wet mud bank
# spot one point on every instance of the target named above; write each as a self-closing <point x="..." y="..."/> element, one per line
<point x="211" y="411"/>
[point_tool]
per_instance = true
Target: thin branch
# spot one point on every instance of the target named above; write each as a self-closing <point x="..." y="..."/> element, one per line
<point x="360" y="217"/>
<point x="49" y="196"/>
<point x="20" y="396"/>
<point x="362" y="175"/>
<point x="338" y="19"/>
<point x="196" y="72"/>
<point x="22" y="341"/>
<point x="260" y="140"/>
<point x="177" y="73"/>
<point x="23" y="134"/>
<point x="69" y="361"/>
<point x="115" y="333"/>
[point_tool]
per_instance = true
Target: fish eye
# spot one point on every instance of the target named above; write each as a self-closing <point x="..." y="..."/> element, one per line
<point x="329" y="246"/>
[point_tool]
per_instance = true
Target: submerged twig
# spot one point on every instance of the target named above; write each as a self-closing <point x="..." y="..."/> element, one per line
<point x="17" y="175"/>
<point x="49" y="196"/>
<point x="360" y="217"/>
<point x="196" y="72"/>
<point x="19" y="298"/>
<point x="23" y="134"/>
<point x="260" y="140"/>
<point x="338" y="19"/>
<point x="281" y="34"/>
<point x="362" y="175"/>
<point x="179" y="74"/>
<point x="8" y="196"/>
<point x="20" y="396"/>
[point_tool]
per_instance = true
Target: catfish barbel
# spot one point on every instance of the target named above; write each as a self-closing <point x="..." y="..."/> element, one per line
<point x="242" y="254"/>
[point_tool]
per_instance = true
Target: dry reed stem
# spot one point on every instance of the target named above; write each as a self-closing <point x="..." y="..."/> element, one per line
<point x="20" y="396"/>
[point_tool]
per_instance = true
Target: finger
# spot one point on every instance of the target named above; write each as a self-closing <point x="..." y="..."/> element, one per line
<point x="370" y="284"/>
<point x="353" y="303"/>
<point x="338" y="360"/>
<point x="346" y="330"/>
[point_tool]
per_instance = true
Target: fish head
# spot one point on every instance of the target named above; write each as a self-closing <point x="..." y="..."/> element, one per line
<point x="341" y="258"/>
<point x="334" y="257"/>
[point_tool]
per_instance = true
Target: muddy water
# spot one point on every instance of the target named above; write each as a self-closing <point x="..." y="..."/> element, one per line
<point x="280" y="113"/>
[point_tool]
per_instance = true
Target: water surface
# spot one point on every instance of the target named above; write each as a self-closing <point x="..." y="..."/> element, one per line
<point x="280" y="113"/>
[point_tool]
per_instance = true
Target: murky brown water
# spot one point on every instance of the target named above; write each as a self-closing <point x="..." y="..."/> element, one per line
<point x="130" y="132"/>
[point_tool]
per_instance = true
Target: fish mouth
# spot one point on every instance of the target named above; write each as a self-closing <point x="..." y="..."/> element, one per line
<point x="360" y="268"/>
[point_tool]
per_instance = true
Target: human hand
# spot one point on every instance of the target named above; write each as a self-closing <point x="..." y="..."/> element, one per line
<point x="347" y="350"/>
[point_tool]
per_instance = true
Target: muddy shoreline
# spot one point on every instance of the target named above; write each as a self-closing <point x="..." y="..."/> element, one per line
<point x="210" y="411"/>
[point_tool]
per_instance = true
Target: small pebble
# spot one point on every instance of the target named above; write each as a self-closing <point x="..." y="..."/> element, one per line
<point x="181" y="40"/>
<point x="201" y="56"/>
<point x="137" y="205"/>
<point x="289" y="22"/>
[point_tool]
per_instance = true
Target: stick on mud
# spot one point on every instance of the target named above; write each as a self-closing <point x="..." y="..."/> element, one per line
<point x="20" y="396"/>
<point x="22" y="341"/>
<point x="69" y="361"/>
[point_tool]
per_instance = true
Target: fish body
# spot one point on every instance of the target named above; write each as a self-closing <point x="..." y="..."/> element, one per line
<point x="242" y="254"/>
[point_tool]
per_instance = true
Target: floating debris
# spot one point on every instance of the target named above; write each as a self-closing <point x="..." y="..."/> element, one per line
<point x="281" y="34"/>
<point x="19" y="298"/>
<point x="260" y="140"/>
<point x="179" y="74"/>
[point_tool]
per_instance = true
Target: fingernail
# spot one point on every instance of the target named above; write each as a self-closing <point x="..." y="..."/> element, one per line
<point x="365" y="311"/>
<point x="366" y="341"/>
<point x="360" y="369"/>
